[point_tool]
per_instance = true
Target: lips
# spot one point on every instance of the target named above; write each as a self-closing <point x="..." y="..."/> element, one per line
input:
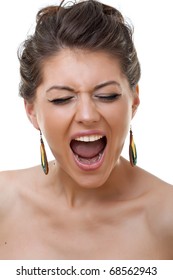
<point x="88" y="150"/>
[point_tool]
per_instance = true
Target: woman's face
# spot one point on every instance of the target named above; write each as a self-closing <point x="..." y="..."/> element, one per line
<point x="84" y="107"/>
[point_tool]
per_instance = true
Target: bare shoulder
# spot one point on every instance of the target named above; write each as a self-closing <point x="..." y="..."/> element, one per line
<point x="11" y="178"/>
<point x="160" y="193"/>
<point x="11" y="184"/>
<point x="7" y="190"/>
<point x="7" y="181"/>
<point x="18" y="177"/>
<point x="162" y="202"/>
<point x="159" y="205"/>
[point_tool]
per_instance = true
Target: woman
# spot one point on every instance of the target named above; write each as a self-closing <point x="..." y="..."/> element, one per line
<point x="79" y="81"/>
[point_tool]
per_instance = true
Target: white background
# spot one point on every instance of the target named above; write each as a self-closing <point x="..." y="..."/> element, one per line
<point x="85" y="269"/>
<point x="152" y="126"/>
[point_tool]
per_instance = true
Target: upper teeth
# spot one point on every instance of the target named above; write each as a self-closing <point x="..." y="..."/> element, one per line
<point x="89" y="138"/>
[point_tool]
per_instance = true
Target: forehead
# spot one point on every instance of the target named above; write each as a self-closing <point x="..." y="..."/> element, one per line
<point x="81" y="67"/>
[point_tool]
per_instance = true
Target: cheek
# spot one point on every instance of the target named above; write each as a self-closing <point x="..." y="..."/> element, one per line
<point x="119" y="120"/>
<point x="119" y="115"/>
<point x="54" y="124"/>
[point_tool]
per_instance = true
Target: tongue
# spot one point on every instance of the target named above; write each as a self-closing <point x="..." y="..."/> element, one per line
<point x="87" y="149"/>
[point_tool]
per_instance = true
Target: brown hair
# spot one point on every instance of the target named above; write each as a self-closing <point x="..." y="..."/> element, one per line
<point x="88" y="25"/>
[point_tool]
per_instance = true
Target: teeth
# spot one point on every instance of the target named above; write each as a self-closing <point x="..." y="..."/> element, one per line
<point x="89" y="138"/>
<point x="87" y="160"/>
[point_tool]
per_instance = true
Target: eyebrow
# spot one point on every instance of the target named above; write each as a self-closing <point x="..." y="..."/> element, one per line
<point x="107" y="84"/>
<point x="59" y="87"/>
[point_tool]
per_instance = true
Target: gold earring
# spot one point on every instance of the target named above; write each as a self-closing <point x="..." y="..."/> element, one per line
<point x="132" y="150"/>
<point x="44" y="162"/>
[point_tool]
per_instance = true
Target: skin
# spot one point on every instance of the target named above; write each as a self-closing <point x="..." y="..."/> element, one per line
<point x="114" y="212"/>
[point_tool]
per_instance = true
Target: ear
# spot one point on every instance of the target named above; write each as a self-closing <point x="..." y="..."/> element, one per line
<point x="136" y="100"/>
<point x="31" y="113"/>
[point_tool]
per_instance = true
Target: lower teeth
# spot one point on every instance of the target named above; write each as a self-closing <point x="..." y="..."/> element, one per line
<point x="87" y="160"/>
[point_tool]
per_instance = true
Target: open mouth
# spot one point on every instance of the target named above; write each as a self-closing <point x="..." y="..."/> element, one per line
<point x="88" y="150"/>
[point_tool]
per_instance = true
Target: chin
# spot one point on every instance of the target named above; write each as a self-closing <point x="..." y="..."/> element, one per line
<point x="90" y="182"/>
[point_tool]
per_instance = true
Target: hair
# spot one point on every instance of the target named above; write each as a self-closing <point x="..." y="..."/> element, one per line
<point x="88" y="25"/>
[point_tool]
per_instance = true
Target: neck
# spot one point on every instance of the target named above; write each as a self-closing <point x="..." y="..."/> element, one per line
<point x="115" y="187"/>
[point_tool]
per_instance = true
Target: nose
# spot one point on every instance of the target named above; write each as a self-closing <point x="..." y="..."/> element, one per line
<point x="86" y="111"/>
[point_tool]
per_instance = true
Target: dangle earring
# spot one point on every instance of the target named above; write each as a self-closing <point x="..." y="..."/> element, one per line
<point x="132" y="150"/>
<point x="44" y="162"/>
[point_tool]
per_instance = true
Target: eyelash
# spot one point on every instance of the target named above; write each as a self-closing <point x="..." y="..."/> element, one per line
<point x="61" y="100"/>
<point x="109" y="98"/>
<point x="106" y="98"/>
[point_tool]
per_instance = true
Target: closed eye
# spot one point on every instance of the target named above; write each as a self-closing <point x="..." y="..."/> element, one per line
<point x="107" y="98"/>
<point x="62" y="101"/>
